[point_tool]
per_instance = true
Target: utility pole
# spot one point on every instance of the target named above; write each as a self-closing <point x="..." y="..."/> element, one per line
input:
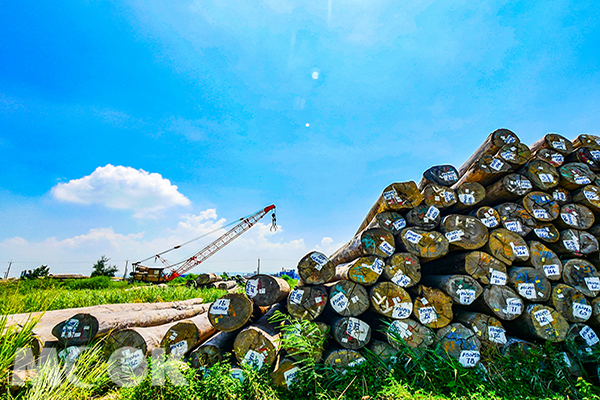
<point x="8" y="270"/>
<point x="125" y="273"/>
<point x="258" y="270"/>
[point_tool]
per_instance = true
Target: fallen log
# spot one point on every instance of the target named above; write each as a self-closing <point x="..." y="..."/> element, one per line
<point x="383" y="351"/>
<point x="588" y="196"/>
<point x="545" y="232"/>
<point x="552" y="157"/>
<point x="490" y="146"/>
<point x="545" y="260"/>
<point x="510" y="188"/>
<point x="185" y="335"/>
<point x="226" y="285"/>
<point x="478" y="264"/>
<point x="461" y="343"/>
<point x="542" y="175"/>
<point x="266" y="290"/>
<point x="404" y="269"/>
<point x="583" y="276"/>
<point x="425" y="245"/>
<point x="583" y="343"/>
<point x="485" y="171"/>
<point x="432" y="307"/>
<point x="312" y="335"/>
<point x="390" y="221"/>
<point x="439" y="196"/>
<point x="348" y="298"/>
<point x="463" y="289"/>
<point x="423" y="217"/>
<point x="561" y="195"/>
<point x="541" y="206"/>
<point x="570" y="303"/>
<point x="515" y="154"/>
<point x="351" y="332"/>
<point x="464" y="232"/>
<point x="507" y="246"/>
<point x="390" y="300"/>
<point x="540" y="322"/>
<point x="341" y="359"/>
<point x="286" y="373"/>
<point x="585" y="140"/>
<point x="411" y="333"/>
<point x="307" y="302"/>
<point x="574" y="216"/>
<point x="587" y="156"/>
<point x="499" y="301"/>
<point x="530" y="283"/>
<point x="515" y="218"/>
<point x="213" y="350"/>
<point x="576" y="243"/>
<point x="231" y="312"/>
<point x="315" y="268"/>
<point x="209" y="277"/>
<point x="575" y="175"/>
<point x="489" y="330"/>
<point x="555" y="142"/>
<point x="488" y="216"/>
<point x="443" y="175"/>
<point x="469" y="195"/>
<point x="517" y="348"/>
<point x="370" y="242"/>
<point x="364" y="270"/>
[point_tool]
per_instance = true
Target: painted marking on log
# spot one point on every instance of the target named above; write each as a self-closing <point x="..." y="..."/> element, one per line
<point x="296" y="296"/>
<point x="400" y="279"/>
<point x="252" y="288"/>
<point x="179" y="349"/>
<point x="513" y="226"/>
<point x="254" y="359"/>
<point x="543" y="233"/>
<point x="320" y="259"/>
<point x="592" y="282"/>
<point x="560" y="196"/>
<point x="402" y="310"/>
<point x="570" y="219"/>
<point x="589" y="335"/>
<point x="469" y="358"/>
<point x="544" y="317"/>
<point x="496" y="164"/>
<point x="69" y="329"/>
<point x="582" y="180"/>
<point x="490" y="222"/>
<point x="432" y="212"/>
<point x="290" y="376"/>
<point x="454" y="236"/>
<point x="221" y="306"/>
<point x="524" y="183"/>
<point x="449" y="176"/>
<point x="572" y="245"/>
<point x="513" y="306"/>
<point x="401" y="328"/>
<point x="412" y="237"/>
<point x="527" y="290"/>
<point x="466" y="198"/>
<point x="386" y="248"/>
<point x="557" y="159"/>
<point x="357" y="329"/>
<point x="399" y="224"/>
<point x="496" y="335"/>
<point x="448" y="196"/>
<point x="559" y="145"/>
<point x="339" y="302"/>
<point x="592" y="196"/>
<point x="507" y="155"/>
<point x="132" y="360"/>
<point x="466" y="296"/>
<point x="551" y="270"/>
<point x="497" y="277"/>
<point x="546" y="178"/>
<point x="582" y="311"/>
<point x="427" y="315"/>
<point x="519" y="251"/>
<point x="319" y="300"/>
<point x="541" y="214"/>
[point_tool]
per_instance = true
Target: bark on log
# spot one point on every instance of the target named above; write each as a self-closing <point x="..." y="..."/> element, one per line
<point x="499" y="301"/>
<point x="573" y="242"/>
<point x="489" y="330"/>
<point x="587" y="156"/>
<point x="432" y="307"/>
<point x="395" y="197"/>
<point x="213" y="350"/>
<point x="423" y="217"/>
<point x="507" y="246"/>
<point x="485" y="171"/>
<point x="585" y="140"/>
<point x="464" y="232"/>
<point x="370" y="242"/>
<point x="588" y="196"/>
<point x="351" y="332"/>
<point x="315" y="268"/>
<point x="390" y="221"/>
<point x="510" y="188"/>
<point x="515" y="154"/>
<point x="469" y="194"/>
<point x="561" y="195"/>
<point x="490" y="146"/>
<point x="231" y="312"/>
<point x="364" y="270"/>
<point x="542" y="175"/>
<point x="404" y="269"/>
<point x="390" y="300"/>
<point x="341" y="359"/>
<point x="461" y="343"/>
<point x="439" y="196"/>
<point x="570" y="303"/>
<point x="540" y="322"/>
<point x="595" y="318"/>
<point x="544" y="260"/>
<point x="307" y="302"/>
<point x="348" y="298"/>
<point x="546" y="233"/>
<point x="209" y="277"/>
<point x="583" y="276"/>
<point x="478" y="264"/>
<point x="443" y="175"/>
<point x="226" y="285"/>
<point x="463" y="289"/>
<point x="425" y="245"/>
<point x="541" y="206"/>
<point x="488" y="217"/>
<point x="186" y="335"/>
<point x="530" y="283"/>
<point x="409" y="332"/>
<point x="583" y="343"/>
<point x="517" y="348"/>
<point x="555" y="142"/>
<point x="266" y="290"/>
<point x="258" y="344"/>
<point x="552" y="157"/>
<point x="575" y="175"/>
<point x="383" y="350"/>
<point x="515" y="218"/>
<point x="574" y="216"/>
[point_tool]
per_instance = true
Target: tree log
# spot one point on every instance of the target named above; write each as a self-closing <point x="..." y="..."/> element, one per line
<point x="432" y="307"/>
<point x="552" y="157"/>
<point x="464" y="232"/>
<point x="370" y="242"/>
<point x="485" y="171"/>
<point x="516" y="347"/>
<point x="515" y="218"/>
<point x="209" y="277"/>
<point x="507" y="246"/>
<point x="186" y="335"/>
<point x="286" y="373"/>
<point x="395" y="197"/>
<point x="425" y="245"/>
<point x="555" y="142"/>
<point x="583" y="276"/>
<point x="500" y="301"/>
<point x="312" y="335"/>
<point x="461" y="343"/>
<point x="570" y="303"/>
<point x="439" y="196"/>
<point x="364" y="270"/>
<point x="585" y="140"/>
<point x="515" y="154"/>
<point x="510" y="188"/>
<point x="574" y="216"/>
<point x="544" y="260"/>
<point x="351" y="333"/>
<point x="348" y="298"/>
<point x="231" y="312"/>
<point x="488" y="329"/>
<point x="212" y="350"/>
<point x="488" y="216"/>
<point x="561" y="195"/>
<point x="469" y="195"/>
<point x="595" y="318"/>
<point x="588" y="196"/>
<point x="404" y="269"/>
<point x="575" y="175"/>
<point x="530" y="283"/>
<point x="541" y="174"/>
<point x="409" y="332"/>
<point x="390" y="221"/>
<point x="587" y="156"/>
<point x="463" y="289"/>
<point x="258" y="344"/>
<point x="423" y="217"/>
<point x="315" y="268"/>
<point x="307" y="302"/>
<point x="383" y="350"/>
<point x="583" y="343"/>
<point x="266" y="290"/>
<point x="546" y="233"/>
<point x="540" y="322"/>
<point x="443" y="175"/>
<point x="576" y="243"/>
<point x="341" y="359"/>
<point x="390" y="300"/>
<point x="490" y="146"/>
<point x="541" y="206"/>
<point x="226" y="285"/>
<point x="478" y="264"/>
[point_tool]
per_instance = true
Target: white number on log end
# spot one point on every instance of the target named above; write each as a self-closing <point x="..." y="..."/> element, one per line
<point x="498" y="278"/>
<point x="527" y="290"/>
<point x="466" y="296"/>
<point x="543" y="316"/>
<point x="582" y="311"/>
<point x="400" y="279"/>
<point x="296" y="296"/>
<point x="589" y="335"/>
<point x="469" y="358"/>
<point x="592" y="282"/>
<point x="427" y="315"/>
<point x="339" y="302"/>
<point x="496" y="335"/>
<point x="221" y="306"/>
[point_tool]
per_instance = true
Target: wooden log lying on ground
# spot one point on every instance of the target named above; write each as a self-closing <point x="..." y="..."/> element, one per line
<point x="588" y="196"/>
<point x="390" y="221"/>
<point x="544" y="232"/>
<point x="585" y="140"/>
<point x="364" y="270"/>
<point x="212" y="350"/>
<point x="583" y="343"/>
<point x="587" y="156"/>
<point x="488" y="217"/>
<point x="461" y="343"/>
<point x="464" y="232"/>
<point x="515" y="154"/>
<point x="489" y="330"/>
<point x="425" y="245"/>
<point x="510" y="188"/>
<point x="370" y="242"/>
<point x="463" y="289"/>
<point x="439" y="196"/>
<point x="307" y="302"/>
<point x="545" y="260"/>
<point x="515" y="218"/>
<point x="583" y="276"/>
<point x="231" y="312"/>
<point x="469" y="194"/>
<point x="206" y="278"/>
<point x="507" y="246"/>
<point x="478" y="264"/>
<point x="395" y="197"/>
<point x="552" y="157"/>
<point x="490" y="146"/>
<point x="348" y="298"/>
<point x="286" y="373"/>
<point x="555" y="142"/>
<point x="443" y="175"/>
<point x="517" y="348"/>
<point x="266" y="290"/>
<point x="423" y="217"/>
<point x="542" y="175"/>
<point x="404" y="269"/>
<point x="570" y="303"/>
<point x="341" y="359"/>
<point x="561" y="195"/>
<point x="315" y="268"/>
<point x="499" y="301"/>
<point x="574" y="216"/>
<point x="315" y="352"/>
<point x="390" y="300"/>
<point x="258" y="345"/>
<point x="530" y="283"/>
<point x="485" y="171"/>
<point x="573" y="242"/>
<point x="575" y="175"/>
<point x="226" y="285"/>
<point x="432" y="307"/>
<point x="383" y="350"/>
<point x="541" y="206"/>
<point x="186" y="335"/>
<point x="351" y="332"/>
<point x="411" y="333"/>
<point x="540" y="322"/>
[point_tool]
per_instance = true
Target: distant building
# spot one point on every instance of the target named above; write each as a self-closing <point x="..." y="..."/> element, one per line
<point x="289" y="272"/>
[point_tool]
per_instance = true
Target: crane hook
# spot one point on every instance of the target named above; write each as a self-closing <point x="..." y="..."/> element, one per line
<point x="273" y="222"/>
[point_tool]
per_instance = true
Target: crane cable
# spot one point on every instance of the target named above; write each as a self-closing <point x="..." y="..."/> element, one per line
<point x="273" y="225"/>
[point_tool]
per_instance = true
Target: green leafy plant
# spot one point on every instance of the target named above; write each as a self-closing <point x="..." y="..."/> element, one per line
<point x="101" y="268"/>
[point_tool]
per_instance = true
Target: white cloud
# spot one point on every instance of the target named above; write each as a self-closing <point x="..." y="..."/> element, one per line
<point x="122" y="188"/>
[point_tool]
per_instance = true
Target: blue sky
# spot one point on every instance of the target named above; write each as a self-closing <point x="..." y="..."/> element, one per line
<point x="128" y="127"/>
